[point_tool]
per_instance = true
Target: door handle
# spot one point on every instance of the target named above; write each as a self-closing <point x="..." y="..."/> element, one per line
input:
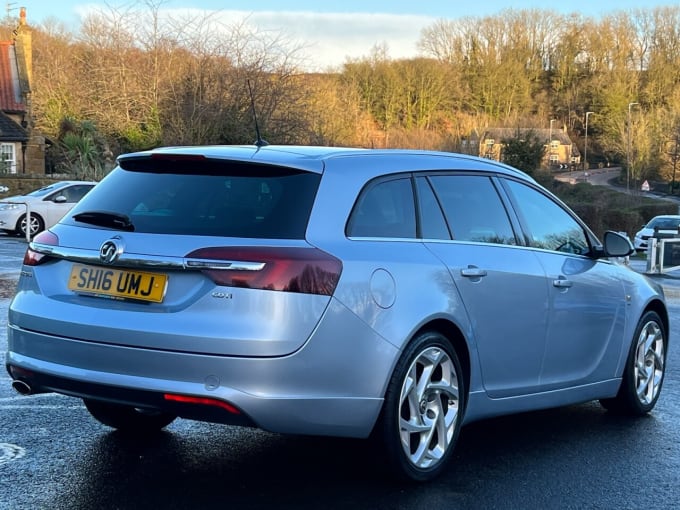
<point x="562" y="283"/>
<point x="473" y="272"/>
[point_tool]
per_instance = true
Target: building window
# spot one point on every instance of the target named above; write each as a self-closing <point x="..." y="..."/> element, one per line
<point x="489" y="150"/>
<point x="554" y="145"/>
<point x="8" y="161"/>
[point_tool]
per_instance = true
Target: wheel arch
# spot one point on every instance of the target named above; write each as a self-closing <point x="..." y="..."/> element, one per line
<point x="639" y="390"/>
<point x="658" y="306"/>
<point x="386" y="436"/>
<point x="453" y="333"/>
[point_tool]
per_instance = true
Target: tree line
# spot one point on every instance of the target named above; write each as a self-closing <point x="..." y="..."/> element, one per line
<point x="138" y="77"/>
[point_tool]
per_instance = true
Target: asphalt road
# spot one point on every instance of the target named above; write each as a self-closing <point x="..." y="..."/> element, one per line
<point x="54" y="456"/>
<point x="604" y="176"/>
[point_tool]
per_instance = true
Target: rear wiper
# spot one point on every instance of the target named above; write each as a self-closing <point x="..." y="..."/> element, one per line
<point x="106" y="219"/>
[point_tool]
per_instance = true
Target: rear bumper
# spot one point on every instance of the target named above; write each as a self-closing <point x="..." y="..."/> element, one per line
<point x="44" y="383"/>
<point x="334" y="385"/>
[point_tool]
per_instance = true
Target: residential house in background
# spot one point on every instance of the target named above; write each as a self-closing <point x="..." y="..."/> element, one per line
<point x="560" y="151"/>
<point x="22" y="148"/>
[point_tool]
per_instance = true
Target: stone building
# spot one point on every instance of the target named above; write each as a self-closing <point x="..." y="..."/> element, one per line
<point x="22" y="148"/>
<point x="560" y="150"/>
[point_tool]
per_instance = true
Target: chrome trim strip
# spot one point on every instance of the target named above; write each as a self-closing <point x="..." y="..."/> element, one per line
<point x="150" y="261"/>
<point x="224" y="264"/>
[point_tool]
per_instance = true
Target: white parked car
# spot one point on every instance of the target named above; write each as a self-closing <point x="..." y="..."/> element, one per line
<point x="47" y="206"/>
<point x="667" y="224"/>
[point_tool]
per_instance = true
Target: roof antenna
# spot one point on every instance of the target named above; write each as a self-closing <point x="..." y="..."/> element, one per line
<point x="260" y="142"/>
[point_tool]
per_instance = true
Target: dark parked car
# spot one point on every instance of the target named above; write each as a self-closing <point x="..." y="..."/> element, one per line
<point x="329" y="291"/>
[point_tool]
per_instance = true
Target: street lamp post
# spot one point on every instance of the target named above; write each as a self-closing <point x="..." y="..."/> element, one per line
<point x="675" y="163"/>
<point x="628" y="148"/>
<point x="550" y="144"/>
<point x="585" y="147"/>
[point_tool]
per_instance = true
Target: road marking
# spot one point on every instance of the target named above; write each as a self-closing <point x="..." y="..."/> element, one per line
<point x="39" y="407"/>
<point x="10" y="452"/>
<point x="26" y="397"/>
<point x="28" y="402"/>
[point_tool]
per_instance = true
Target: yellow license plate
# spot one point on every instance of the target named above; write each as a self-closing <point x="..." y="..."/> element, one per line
<point x="118" y="283"/>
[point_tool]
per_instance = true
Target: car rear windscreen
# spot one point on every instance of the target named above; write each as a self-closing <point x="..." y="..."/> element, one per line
<point x="250" y="201"/>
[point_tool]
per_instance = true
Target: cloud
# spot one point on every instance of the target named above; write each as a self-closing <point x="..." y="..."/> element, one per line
<point x="331" y="38"/>
<point x="327" y="40"/>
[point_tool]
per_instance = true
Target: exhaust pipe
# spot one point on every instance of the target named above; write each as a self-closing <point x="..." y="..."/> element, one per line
<point x="21" y="387"/>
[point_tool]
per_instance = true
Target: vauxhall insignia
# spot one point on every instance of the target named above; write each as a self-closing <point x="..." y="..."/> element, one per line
<point x="111" y="250"/>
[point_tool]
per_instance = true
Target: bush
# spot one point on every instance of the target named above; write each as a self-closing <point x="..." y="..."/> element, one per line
<point x="607" y="209"/>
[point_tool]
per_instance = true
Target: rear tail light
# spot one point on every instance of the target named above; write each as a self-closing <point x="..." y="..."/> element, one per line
<point x="303" y="270"/>
<point x="32" y="257"/>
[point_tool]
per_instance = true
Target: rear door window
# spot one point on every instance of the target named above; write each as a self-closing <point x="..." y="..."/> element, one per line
<point x="473" y="208"/>
<point x="432" y="222"/>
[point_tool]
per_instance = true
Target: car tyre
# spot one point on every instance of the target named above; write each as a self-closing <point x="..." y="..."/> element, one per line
<point x="423" y="409"/>
<point x="37" y="225"/>
<point x="127" y="418"/>
<point x="645" y="369"/>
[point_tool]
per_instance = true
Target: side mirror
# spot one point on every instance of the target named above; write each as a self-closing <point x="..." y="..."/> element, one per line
<point x="59" y="199"/>
<point x="617" y="245"/>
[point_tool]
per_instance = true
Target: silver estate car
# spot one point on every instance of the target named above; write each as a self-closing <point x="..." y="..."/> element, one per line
<point x="343" y="292"/>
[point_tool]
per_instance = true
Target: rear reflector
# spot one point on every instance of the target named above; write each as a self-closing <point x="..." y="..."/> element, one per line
<point x="34" y="258"/>
<point x="18" y="372"/>
<point x="301" y="270"/>
<point x="203" y="401"/>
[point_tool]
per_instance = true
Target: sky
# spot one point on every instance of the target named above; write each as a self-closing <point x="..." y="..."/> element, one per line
<point x="330" y="31"/>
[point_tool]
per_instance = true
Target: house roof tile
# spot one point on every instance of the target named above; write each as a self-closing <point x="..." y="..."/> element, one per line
<point x="10" y="98"/>
<point x="10" y="131"/>
<point x="542" y="134"/>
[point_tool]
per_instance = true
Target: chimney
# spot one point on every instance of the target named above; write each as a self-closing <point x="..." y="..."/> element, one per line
<point x="23" y="47"/>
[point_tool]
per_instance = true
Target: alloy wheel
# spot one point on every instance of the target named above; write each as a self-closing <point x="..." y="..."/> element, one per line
<point x="649" y="362"/>
<point x="429" y="407"/>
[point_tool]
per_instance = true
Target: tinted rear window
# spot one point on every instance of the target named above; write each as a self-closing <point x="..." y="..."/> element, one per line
<point x="269" y="202"/>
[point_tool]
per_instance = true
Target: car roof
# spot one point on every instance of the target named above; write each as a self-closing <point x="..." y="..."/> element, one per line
<point x="665" y="217"/>
<point x="314" y="158"/>
<point x="68" y="183"/>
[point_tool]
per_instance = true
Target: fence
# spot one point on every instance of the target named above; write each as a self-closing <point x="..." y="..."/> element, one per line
<point x="663" y="255"/>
